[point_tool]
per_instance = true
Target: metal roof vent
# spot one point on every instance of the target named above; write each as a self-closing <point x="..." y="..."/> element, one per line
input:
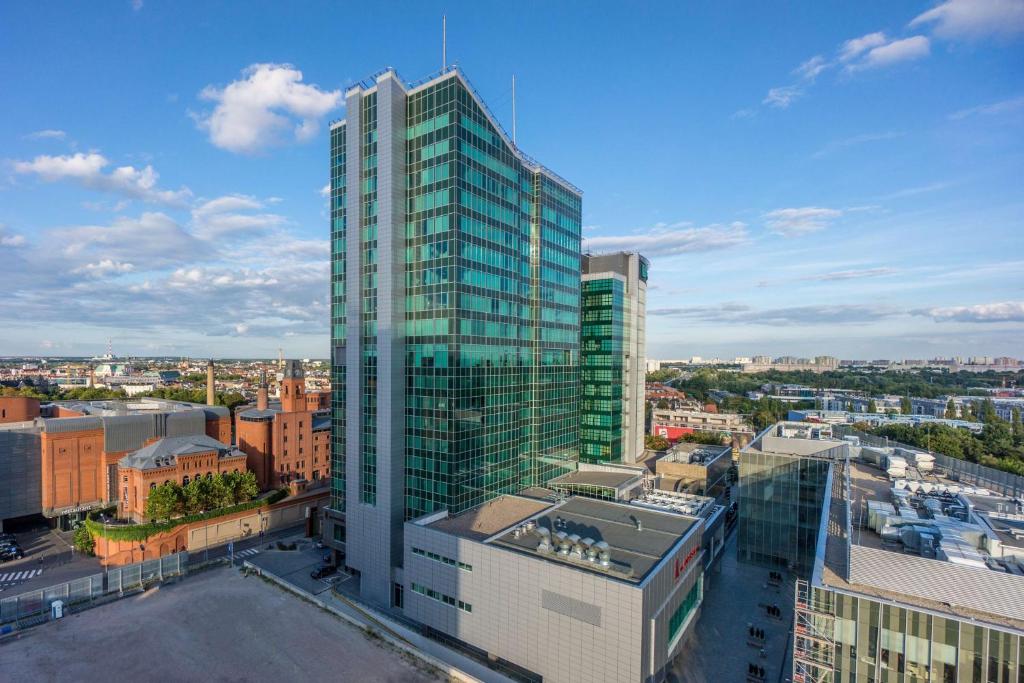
<point x="604" y="556"/>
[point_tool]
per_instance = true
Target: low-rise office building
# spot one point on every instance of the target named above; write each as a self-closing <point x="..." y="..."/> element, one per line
<point x="912" y="579"/>
<point x="696" y="468"/>
<point x="562" y="590"/>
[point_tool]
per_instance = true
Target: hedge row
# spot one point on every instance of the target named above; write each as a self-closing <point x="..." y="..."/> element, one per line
<point x="140" y="532"/>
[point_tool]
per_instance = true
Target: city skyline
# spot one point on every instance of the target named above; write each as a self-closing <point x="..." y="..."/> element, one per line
<point x="835" y="180"/>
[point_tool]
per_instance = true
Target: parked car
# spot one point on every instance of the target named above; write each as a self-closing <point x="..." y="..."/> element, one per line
<point x="8" y="554"/>
<point x="321" y="572"/>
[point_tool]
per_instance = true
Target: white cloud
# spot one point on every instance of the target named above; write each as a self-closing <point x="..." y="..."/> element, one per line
<point x="152" y="238"/>
<point x="840" y="275"/>
<point x="11" y="239"/>
<point x="1010" y="105"/>
<point x="1006" y="311"/>
<point x="742" y="314"/>
<point x="325" y="191"/>
<point x="895" y="52"/>
<point x="670" y="240"/>
<point x="795" y="222"/>
<point x="837" y="145"/>
<point x="810" y="69"/>
<point x="47" y="134"/>
<point x="227" y="216"/>
<point x="973" y="19"/>
<point x="136" y="5"/>
<point x="856" y="46"/>
<point x="252" y="112"/>
<point x="87" y="171"/>
<point x="783" y="96"/>
<point x="105" y="268"/>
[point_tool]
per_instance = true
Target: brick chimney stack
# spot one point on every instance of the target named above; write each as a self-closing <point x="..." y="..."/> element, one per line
<point x="261" y="392"/>
<point x="211" y="394"/>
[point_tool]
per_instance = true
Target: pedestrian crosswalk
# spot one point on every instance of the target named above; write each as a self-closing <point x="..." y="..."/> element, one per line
<point x="12" y="577"/>
<point x="247" y="553"/>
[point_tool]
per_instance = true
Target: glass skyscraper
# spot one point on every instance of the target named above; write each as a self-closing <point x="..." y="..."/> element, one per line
<point x="455" y="315"/>
<point x="613" y="357"/>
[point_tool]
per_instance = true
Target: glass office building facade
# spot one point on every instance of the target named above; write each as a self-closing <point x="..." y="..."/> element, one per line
<point x="455" y="309"/>
<point x="602" y="310"/>
<point x="613" y="357"/>
<point x="780" y="501"/>
<point x="879" y="642"/>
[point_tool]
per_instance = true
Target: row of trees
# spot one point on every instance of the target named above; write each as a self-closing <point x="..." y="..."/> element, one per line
<point x="923" y="383"/>
<point x="170" y="500"/>
<point x="656" y="442"/>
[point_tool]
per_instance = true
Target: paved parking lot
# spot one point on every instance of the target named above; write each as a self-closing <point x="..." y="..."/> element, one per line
<point x="294" y="566"/>
<point x="217" y="625"/>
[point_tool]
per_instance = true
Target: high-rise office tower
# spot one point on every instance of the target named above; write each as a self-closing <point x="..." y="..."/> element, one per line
<point x="613" y="357"/>
<point x="455" y="315"/>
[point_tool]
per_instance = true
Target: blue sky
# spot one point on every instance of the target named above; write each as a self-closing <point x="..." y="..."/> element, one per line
<point x="806" y="177"/>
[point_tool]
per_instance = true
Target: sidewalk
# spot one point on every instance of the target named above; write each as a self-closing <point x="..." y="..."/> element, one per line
<point x="457" y="665"/>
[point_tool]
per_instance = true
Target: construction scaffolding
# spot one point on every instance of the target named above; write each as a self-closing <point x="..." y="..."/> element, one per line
<point x="813" y="637"/>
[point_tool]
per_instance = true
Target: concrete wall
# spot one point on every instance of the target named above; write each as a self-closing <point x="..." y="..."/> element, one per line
<point x="563" y="623"/>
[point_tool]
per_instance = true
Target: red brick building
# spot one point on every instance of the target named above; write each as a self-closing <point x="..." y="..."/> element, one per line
<point x="178" y="459"/>
<point x="291" y="440"/>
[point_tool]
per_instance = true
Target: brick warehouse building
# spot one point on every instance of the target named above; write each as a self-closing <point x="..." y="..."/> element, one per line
<point x="289" y="440"/>
<point x="64" y="462"/>
<point x="177" y="459"/>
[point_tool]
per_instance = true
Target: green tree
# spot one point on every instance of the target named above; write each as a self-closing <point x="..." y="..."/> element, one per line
<point x="83" y="540"/>
<point x="987" y="412"/>
<point x="245" y="487"/>
<point x="165" y="501"/>
<point x="1016" y="427"/>
<point x="710" y="438"/>
<point x="662" y="404"/>
<point x="967" y="410"/>
<point x="656" y="442"/>
<point x="905" y="407"/>
<point x="950" y="409"/>
<point x="872" y="406"/>
<point x="92" y="394"/>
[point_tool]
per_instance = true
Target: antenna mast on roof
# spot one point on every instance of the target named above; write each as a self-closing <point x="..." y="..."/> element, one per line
<point x="444" y="43"/>
<point x="513" y="109"/>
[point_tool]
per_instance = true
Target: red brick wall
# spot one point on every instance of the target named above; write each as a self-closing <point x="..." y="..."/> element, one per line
<point x="73" y="470"/>
<point x="18" y="409"/>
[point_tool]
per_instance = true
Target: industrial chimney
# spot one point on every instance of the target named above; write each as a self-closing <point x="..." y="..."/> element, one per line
<point x="211" y="394"/>
<point x="261" y="391"/>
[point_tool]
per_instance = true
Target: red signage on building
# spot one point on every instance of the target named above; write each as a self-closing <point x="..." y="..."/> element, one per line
<point x="681" y="565"/>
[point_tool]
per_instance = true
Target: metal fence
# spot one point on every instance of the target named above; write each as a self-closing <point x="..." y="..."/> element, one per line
<point x="86" y="590"/>
<point x="1003" y="483"/>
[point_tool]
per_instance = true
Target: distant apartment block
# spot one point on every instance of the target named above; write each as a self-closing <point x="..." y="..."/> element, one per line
<point x="674" y="424"/>
<point x="613" y="357"/>
<point x="791" y="363"/>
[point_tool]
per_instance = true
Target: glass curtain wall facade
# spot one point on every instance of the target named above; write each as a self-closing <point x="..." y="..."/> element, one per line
<point x="780" y="501"/>
<point x="877" y="642"/>
<point x="471" y="376"/>
<point x="601" y="371"/>
<point x="613" y="357"/>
